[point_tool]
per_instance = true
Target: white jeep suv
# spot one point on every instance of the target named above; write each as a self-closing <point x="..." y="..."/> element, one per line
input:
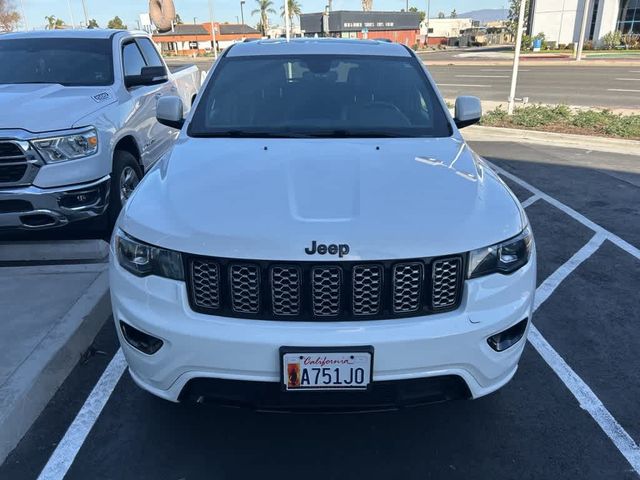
<point x="321" y="236"/>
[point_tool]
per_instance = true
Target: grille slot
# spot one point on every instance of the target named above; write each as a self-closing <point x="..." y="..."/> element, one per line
<point x="407" y="287"/>
<point x="12" y="173"/>
<point x="205" y="278"/>
<point x="337" y="291"/>
<point x="285" y="290"/>
<point x="15" y="166"/>
<point x="446" y="275"/>
<point x="327" y="283"/>
<point x="245" y="288"/>
<point x="367" y="289"/>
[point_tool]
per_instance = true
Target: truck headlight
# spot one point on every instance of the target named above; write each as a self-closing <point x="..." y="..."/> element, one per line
<point x="505" y="257"/>
<point x="143" y="260"/>
<point x="68" y="147"/>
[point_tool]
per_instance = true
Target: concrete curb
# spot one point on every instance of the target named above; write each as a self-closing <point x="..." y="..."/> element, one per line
<point x="601" y="144"/>
<point x="532" y="63"/>
<point x="63" y="251"/>
<point x="25" y="394"/>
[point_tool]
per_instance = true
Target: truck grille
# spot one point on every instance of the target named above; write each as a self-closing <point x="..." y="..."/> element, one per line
<point x="339" y="291"/>
<point x="17" y="166"/>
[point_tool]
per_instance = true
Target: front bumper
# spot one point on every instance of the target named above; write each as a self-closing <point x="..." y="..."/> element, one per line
<point x="198" y="346"/>
<point x="38" y="208"/>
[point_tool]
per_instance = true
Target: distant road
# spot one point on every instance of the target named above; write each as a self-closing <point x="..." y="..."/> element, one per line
<point x="592" y="86"/>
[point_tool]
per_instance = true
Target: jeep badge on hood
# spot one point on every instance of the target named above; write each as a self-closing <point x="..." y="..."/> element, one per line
<point x="341" y="250"/>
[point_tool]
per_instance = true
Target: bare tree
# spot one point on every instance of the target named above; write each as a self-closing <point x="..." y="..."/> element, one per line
<point x="367" y="5"/>
<point x="9" y="16"/>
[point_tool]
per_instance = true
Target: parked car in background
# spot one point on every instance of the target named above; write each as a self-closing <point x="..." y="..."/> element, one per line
<point x="78" y="128"/>
<point x="322" y="237"/>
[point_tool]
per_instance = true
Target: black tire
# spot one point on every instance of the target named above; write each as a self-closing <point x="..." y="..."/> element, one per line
<point x="124" y="165"/>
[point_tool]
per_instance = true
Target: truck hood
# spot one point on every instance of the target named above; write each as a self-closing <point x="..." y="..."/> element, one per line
<point x="48" y="107"/>
<point x="269" y="199"/>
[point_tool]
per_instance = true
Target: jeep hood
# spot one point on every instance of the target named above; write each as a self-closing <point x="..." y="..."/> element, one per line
<point x="48" y="107"/>
<point x="270" y="198"/>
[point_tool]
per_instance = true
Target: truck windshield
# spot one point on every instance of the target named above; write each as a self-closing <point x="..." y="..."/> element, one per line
<point x="66" y="61"/>
<point x="319" y="96"/>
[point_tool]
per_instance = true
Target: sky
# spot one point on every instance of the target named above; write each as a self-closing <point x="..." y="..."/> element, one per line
<point x="224" y="10"/>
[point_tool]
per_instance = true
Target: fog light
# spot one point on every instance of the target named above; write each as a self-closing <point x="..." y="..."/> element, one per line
<point x="140" y="340"/>
<point x="80" y="199"/>
<point x="509" y="337"/>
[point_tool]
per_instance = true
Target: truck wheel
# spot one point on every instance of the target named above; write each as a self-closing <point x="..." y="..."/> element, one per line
<point x="125" y="178"/>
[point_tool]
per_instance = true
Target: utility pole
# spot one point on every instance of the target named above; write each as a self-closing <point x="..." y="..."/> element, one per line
<point x="286" y="19"/>
<point x="86" y="15"/>
<point x="73" y="22"/>
<point x="213" y="31"/>
<point x="407" y="9"/>
<point x="583" y="30"/>
<point x="426" y="37"/>
<point x="516" y="58"/>
<point x="242" y="2"/>
<point x="24" y="15"/>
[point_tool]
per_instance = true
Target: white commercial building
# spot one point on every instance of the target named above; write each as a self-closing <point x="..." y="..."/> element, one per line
<point x="561" y="20"/>
<point x="445" y="27"/>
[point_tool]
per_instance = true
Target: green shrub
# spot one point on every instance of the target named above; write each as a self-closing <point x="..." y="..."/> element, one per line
<point x="540" y="115"/>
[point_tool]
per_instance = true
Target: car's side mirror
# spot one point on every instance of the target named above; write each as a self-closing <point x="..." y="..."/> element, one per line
<point x="468" y="111"/>
<point x="148" y="76"/>
<point x="170" y="111"/>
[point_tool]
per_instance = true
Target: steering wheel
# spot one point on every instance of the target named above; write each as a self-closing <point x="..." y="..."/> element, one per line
<point x="389" y="107"/>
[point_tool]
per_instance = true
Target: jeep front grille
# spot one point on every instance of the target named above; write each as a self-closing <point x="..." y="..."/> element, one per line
<point x="335" y="291"/>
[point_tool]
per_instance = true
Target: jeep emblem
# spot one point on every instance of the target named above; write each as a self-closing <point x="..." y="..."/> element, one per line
<point x="341" y="250"/>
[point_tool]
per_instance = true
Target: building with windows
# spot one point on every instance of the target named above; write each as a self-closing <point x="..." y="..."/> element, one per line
<point x="401" y="27"/>
<point x="561" y="20"/>
<point x="443" y="31"/>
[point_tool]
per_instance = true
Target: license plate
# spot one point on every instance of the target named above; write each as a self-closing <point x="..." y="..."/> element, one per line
<point x="326" y="368"/>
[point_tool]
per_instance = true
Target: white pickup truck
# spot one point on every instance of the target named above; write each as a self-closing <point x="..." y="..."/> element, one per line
<point x="78" y="127"/>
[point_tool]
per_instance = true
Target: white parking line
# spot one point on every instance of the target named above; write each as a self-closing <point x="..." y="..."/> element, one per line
<point x="502" y="70"/>
<point x="622" y="90"/>
<point x="587" y="399"/>
<point x="66" y="451"/>
<point x="530" y="201"/>
<point x="629" y="79"/>
<point x="482" y="76"/>
<point x="612" y="237"/>
<point x="462" y="85"/>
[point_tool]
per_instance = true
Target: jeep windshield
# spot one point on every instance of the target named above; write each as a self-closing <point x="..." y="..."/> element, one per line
<point x="312" y="96"/>
<point x="65" y="61"/>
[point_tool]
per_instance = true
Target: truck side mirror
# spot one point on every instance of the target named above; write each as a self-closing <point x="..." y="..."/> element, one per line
<point x="170" y="112"/>
<point x="468" y="111"/>
<point x="148" y="76"/>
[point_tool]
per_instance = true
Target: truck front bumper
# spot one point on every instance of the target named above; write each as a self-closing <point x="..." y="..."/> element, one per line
<point x="198" y="347"/>
<point x="39" y="208"/>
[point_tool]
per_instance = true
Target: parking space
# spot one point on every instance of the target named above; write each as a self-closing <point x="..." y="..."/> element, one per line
<point x="570" y="412"/>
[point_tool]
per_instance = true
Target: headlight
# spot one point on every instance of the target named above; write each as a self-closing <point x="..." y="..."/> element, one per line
<point x="143" y="260"/>
<point x="505" y="257"/>
<point x="68" y="147"/>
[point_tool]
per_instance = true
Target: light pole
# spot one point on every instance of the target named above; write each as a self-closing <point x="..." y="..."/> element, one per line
<point x="73" y="22"/>
<point x="213" y="31"/>
<point x="583" y="30"/>
<point x="242" y="2"/>
<point x="286" y="19"/>
<point x="194" y="20"/>
<point x="516" y="58"/>
<point x="86" y="15"/>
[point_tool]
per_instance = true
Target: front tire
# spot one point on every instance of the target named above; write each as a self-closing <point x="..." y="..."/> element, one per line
<point x="126" y="176"/>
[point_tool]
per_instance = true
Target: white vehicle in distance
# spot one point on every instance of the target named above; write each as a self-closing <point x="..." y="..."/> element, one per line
<point x="321" y="236"/>
<point x="78" y="127"/>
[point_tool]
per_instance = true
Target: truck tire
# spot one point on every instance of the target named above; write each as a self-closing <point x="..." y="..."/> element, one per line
<point x="125" y="177"/>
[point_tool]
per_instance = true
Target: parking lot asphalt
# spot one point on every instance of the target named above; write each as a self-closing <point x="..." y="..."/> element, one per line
<point x="570" y="412"/>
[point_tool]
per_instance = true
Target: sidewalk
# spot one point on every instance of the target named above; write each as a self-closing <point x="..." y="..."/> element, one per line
<point x="51" y="307"/>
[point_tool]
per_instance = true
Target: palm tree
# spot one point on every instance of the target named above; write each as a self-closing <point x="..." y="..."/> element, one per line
<point x="265" y="7"/>
<point x="295" y="10"/>
<point x="54" y="23"/>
